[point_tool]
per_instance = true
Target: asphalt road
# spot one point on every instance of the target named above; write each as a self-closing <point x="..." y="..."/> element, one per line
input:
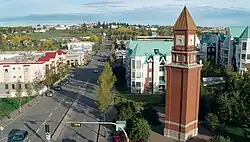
<point x="85" y="109"/>
<point x="50" y="110"/>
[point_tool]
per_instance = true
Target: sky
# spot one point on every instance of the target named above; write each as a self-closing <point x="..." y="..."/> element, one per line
<point x="204" y="12"/>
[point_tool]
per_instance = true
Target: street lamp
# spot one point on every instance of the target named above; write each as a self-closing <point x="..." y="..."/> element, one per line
<point x="1" y="129"/>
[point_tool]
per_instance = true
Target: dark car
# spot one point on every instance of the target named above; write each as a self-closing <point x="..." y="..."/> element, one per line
<point x="57" y="88"/>
<point x="17" y="135"/>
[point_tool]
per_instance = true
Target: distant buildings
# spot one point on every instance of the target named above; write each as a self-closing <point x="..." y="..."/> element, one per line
<point x="85" y="46"/>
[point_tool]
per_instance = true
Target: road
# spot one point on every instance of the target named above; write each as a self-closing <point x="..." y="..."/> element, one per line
<point x="50" y="110"/>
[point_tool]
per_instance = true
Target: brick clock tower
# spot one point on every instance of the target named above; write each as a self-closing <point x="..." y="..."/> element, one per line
<point x="183" y="82"/>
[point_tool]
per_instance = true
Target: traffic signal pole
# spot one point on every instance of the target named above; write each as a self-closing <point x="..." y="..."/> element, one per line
<point x="103" y="123"/>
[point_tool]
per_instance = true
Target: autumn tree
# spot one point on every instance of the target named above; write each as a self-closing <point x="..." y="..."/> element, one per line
<point x="29" y="90"/>
<point x="36" y="83"/>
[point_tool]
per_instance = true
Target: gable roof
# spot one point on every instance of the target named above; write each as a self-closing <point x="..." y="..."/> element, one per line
<point x="185" y="21"/>
<point x="48" y="56"/>
<point x="147" y="47"/>
<point x="246" y="33"/>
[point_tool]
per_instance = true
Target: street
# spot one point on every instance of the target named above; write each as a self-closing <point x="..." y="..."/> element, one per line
<point x="51" y="110"/>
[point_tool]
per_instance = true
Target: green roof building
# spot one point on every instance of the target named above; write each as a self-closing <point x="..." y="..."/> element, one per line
<point x="145" y="65"/>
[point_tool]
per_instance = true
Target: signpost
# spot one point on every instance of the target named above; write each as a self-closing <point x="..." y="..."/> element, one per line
<point x="120" y="124"/>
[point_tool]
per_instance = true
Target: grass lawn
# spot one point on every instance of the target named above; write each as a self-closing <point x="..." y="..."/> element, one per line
<point x="235" y="133"/>
<point x="9" y="107"/>
<point x="56" y="34"/>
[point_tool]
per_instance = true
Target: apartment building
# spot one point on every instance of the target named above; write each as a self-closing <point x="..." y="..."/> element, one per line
<point x="145" y="65"/>
<point x="235" y="49"/>
<point x="81" y="46"/>
<point x="210" y="47"/>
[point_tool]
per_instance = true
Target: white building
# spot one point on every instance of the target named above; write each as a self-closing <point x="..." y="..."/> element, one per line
<point x="87" y="45"/>
<point x="145" y="65"/>
<point x="235" y="49"/>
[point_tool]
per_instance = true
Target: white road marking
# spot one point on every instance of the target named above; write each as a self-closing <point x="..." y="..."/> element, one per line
<point x="50" y="114"/>
<point x="29" y="141"/>
<point x="55" y="108"/>
<point x="37" y="130"/>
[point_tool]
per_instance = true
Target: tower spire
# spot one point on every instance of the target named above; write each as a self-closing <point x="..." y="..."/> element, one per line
<point x="185" y="21"/>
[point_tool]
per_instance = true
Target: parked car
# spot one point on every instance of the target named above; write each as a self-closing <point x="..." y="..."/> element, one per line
<point x="95" y="71"/>
<point x="17" y="135"/>
<point x="49" y="93"/>
<point x="57" y="88"/>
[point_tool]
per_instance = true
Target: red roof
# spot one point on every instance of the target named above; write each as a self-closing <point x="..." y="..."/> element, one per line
<point x="48" y="56"/>
<point x="60" y="52"/>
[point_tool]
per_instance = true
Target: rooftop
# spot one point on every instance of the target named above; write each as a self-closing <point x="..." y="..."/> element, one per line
<point x="23" y="58"/>
<point x="239" y="31"/>
<point x="147" y="47"/>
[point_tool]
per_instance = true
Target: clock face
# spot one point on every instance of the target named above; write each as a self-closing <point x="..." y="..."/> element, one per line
<point x="191" y="40"/>
<point x="180" y="40"/>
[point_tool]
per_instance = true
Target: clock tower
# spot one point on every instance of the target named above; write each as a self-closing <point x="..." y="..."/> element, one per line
<point x="183" y="82"/>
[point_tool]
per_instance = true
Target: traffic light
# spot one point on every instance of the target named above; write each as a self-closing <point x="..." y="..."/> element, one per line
<point x="76" y="124"/>
<point x="47" y="128"/>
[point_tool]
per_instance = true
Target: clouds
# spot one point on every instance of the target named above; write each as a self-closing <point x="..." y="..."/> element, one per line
<point x="210" y="12"/>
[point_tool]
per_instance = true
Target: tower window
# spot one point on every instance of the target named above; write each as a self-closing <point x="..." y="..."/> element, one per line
<point x="180" y="58"/>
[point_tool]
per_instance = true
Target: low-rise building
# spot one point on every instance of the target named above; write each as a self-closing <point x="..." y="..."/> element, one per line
<point x="84" y="46"/>
<point x="145" y="65"/>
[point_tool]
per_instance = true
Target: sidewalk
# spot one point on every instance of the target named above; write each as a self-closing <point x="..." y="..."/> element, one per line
<point x="15" y="114"/>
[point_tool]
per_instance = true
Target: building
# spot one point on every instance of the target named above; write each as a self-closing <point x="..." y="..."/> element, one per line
<point x="145" y="62"/>
<point x="81" y="46"/>
<point x="183" y="82"/>
<point x="236" y="48"/>
<point x="28" y="66"/>
<point x="210" y="47"/>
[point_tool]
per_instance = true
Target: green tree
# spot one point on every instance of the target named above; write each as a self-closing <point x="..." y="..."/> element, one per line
<point x="151" y="115"/>
<point x="104" y="92"/>
<point x="18" y="94"/>
<point x="140" y="129"/>
<point x="220" y="139"/>
<point x="212" y="121"/>
<point x="36" y="83"/>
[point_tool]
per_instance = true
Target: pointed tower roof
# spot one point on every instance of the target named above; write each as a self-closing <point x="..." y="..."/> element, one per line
<point x="185" y="21"/>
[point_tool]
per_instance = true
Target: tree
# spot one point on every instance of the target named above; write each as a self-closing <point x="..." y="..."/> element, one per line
<point x="36" y="83"/>
<point x="29" y="90"/>
<point x="104" y="92"/>
<point x="126" y="111"/>
<point x="18" y="94"/>
<point x="151" y="115"/>
<point x="212" y="121"/>
<point x="140" y="129"/>
<point x="220" y="139"/>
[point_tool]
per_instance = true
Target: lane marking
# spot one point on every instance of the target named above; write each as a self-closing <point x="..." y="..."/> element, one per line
<point x="37" y="130"/>
<point x="55" y="108"/>
<point x="29" y="141"/>
<point x="50" y="114"/>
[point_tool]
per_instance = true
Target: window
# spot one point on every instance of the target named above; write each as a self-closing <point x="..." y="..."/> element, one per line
<point x="13" y="86"/>
<point x="138" y="74"/>
<point x="161" y="77"/>
<point x="14" y="76"/>
<point x="19" y="68"/>
<point x="26" y="86"/>
<point x="138" y="84"/>
<point x="179" y="58"/>
<point x="213" y="49"/>
<point x="138" y="91"/>
<point x="138" y="64"/>
<point x="133" y="84"/>
<point x="244" y="46"/>
<point x="19" y="86"/>
<point x="6" y="86"/>
<point x="243" y="65"/>
<point x="13" y="68"/>
<point x="243" y="56"/>
<point x="26" y="69"/>
<point x="150" y="65"/>
<point x="133" y="64"/>
<point x="248" y="56"/>
<point x="161" y="68"/>
<point x="208" y="49"/>
<point x="6" y="70"/>
<point x="20" y="76"/>
<point x="133" y="74"/>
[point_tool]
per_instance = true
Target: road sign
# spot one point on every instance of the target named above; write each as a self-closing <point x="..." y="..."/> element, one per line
<point x="47" y="128"/>
<point x="121" y="124"/>
<point x="48" y="136"/>
<point x="76" y="124"/>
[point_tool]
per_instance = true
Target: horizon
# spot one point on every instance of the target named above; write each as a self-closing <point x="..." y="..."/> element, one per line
<point x="211" y="13"/>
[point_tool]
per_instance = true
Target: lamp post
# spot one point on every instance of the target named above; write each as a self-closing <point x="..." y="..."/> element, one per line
<point x="1" y="129"/>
